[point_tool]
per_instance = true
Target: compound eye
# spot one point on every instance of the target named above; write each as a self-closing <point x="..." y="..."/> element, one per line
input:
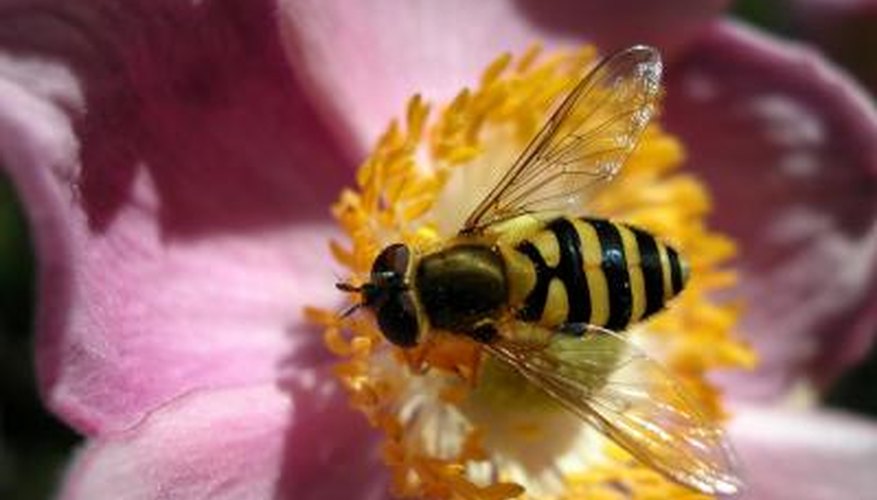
<point x="398" y="320"/>
<point x="394" y="259"/>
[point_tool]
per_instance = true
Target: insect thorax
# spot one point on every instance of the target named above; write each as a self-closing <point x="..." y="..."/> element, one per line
<point x="462" y="287"/>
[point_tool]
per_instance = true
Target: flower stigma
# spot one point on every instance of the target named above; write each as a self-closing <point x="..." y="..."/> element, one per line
<point x="456" y="424"/>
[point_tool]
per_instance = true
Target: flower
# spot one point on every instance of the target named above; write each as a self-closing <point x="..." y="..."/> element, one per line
<point x="176" y="159"/>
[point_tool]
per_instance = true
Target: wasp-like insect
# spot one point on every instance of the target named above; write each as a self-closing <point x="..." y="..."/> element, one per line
<point x="547" y="292"/>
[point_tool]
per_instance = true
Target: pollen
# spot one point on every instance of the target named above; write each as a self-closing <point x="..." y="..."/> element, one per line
<point x="454" y="426"/>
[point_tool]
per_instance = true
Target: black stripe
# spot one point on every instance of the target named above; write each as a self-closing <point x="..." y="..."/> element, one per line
<point x="571" y="271"/>
<point x="535" y="301"/>
<point x="614" y="265"/>
<point x="675" y="270"/>
<point x="653" y="275"/>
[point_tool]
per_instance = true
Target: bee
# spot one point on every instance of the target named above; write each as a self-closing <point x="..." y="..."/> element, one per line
<point x="548" y="291"/>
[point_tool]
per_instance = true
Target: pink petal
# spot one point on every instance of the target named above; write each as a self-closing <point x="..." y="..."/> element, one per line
<point x="254" y="442"/>
<point x="178" y="184"/>
<point x="814" y="455"/>
<point x="786" y="144"/>
<point x="364" y="61"/>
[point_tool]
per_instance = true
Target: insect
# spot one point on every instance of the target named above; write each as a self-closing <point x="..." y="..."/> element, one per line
<point x="547" y="291"/>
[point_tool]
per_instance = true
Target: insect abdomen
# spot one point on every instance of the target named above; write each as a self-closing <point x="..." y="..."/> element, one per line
<point x="597" y="272"/>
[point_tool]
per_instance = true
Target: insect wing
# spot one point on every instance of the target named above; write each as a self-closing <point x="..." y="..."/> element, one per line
<point x="585" y="141"/>
<point x="612" y="385"/>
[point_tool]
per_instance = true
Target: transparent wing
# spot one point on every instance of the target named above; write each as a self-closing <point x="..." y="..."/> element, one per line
<point x="612" y="385"/>
<point x="585" y="141"/>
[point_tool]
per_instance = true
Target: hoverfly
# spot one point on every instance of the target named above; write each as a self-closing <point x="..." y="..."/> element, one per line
<point x="547" y="291"/>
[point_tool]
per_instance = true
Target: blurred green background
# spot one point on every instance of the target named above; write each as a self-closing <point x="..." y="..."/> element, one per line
<point x="34" y="446"/>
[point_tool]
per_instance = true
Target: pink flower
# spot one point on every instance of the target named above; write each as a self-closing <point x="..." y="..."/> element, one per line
<point x="177" y="161"/>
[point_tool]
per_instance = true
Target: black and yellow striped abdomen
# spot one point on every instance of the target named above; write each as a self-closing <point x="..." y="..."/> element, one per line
<point x="591" y="271"/>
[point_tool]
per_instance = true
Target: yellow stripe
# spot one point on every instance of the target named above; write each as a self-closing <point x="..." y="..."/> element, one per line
<point x="513" y="231"/>
<point x="549" y="249"/>
<point x="635" y="270"/>
<point x="556" y="306"/>
<point x="665" y="272"/>
<point x="592" y="258"/>
<point x="521" y="275"/>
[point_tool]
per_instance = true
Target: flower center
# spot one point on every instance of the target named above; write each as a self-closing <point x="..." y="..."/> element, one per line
<point x="457" y="423"/>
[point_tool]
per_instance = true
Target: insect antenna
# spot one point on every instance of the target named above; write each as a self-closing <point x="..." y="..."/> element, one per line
<point x="348" y="287"/>
<point x="350" y="310"/>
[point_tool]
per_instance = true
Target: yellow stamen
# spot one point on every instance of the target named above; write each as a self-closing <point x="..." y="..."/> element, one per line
<point x="410" y="190"/>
